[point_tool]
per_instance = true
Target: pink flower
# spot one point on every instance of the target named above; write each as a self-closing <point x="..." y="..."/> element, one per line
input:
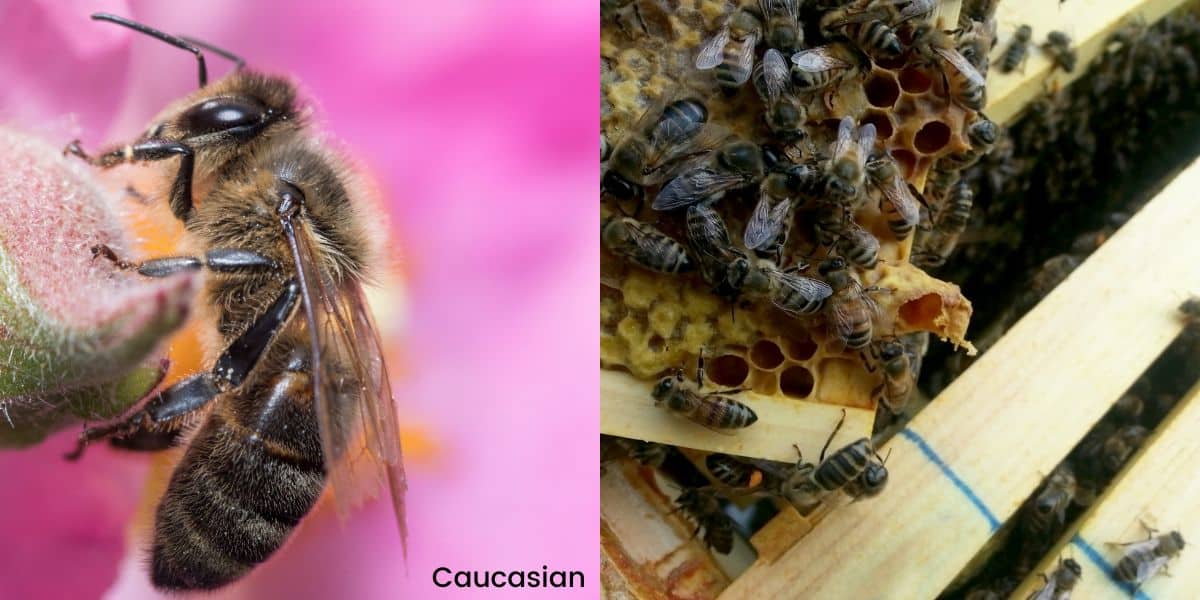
<point x="478" y="123"/>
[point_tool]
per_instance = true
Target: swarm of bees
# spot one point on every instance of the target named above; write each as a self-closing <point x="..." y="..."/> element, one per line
<point x="301" y="382"/>
<point x="762" y="188"/>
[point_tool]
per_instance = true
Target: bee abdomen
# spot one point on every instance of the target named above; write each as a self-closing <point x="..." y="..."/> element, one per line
<point x="1127" y="567"/>
<point x="725" y="413"/>
<point x="843" y="467"/>
<point x="231" y="503"/>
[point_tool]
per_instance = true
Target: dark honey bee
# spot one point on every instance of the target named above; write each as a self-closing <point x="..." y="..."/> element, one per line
<point x="704" y="506"/>
<point x="730" y="52"/>
<point x="899" y="205"/>
<point x="734" y="473"/>
<point x="1018" y="49"/>
<point x="301" y="382"/>
<point x="1120" y="445"/>
<point x="644" y="245"/>
<point x="736" y="164"/>
<point x="785" y="115"/>
<point x="982" y="133"/>
<point x="665" y="138"/>
<point x="846" y="168"/>
<point x="868" y="29"/>
<point x="1143" y="560"/>
<point x="782" y="18"/>
<point x="1047" y="511"/>
<point x="850" y="311"/>
<point x="1059" y="584"/>
<point x="1058" y="47"/>
<point x="963" y="81"/>
<point x="934" y="248"/>
<point x="851" y="467"/>
<point x="898" y="377"/>
<point x="714" y="410"/>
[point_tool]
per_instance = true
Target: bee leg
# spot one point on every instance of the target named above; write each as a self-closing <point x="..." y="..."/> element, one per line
<point x="221" y="260"/>
<point x="172" y="406"/>
<point x="147" y="440"/>
<point x="150" y="150"/>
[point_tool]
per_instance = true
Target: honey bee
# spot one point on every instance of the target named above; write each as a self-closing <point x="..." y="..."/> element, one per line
<point x="1120" y="445"/>
<point x="898" y="377"/>
<point x="302" y="380"/>
<point x="715" y="410"/>
<point x="821" y="67"/>
<point x="731" y="272"/>
<point x="858" y="245"/>
<point x="768" y="226"/>
<point x="1143" y="560"/>
<point x="974" y="43"/>
<point x="1047" y="512"/>
<point x="736" y="164"/>
<point x="734" y="473"/>
<point x="846" y="467"/>
<point x="846" y="167"/>
<point x="898" y="204"/>
<point x="964" y="83"/>
<point x="785" y="115"/>
<point x="868" y="29"/>
<point x="1059" y="584"/>
<point x="651" y="454"/>
<point x="730" y="52"/>
<point x="1058" y="47"/>
<point x="782" y="17"/>
<point x="935" y="248"/>
<point x="664" y="139"/>
<point x="644" y="245"/>
<point x="982" y="133"/>
<point x="1127" y="408"/>
<point x="1018" y="49"/>
<point x="704" y="506"/>
<point x="830" y="222"/>
<point x="850" y="310"/>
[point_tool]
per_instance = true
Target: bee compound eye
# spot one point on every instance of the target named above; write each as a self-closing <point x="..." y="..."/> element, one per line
<point x="221" y="114"/>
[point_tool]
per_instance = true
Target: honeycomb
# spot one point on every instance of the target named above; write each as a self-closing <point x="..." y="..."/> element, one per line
<point x="652" y="323"/>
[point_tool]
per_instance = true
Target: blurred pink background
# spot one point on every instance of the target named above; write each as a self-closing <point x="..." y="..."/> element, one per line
<point x="478" y="120"/>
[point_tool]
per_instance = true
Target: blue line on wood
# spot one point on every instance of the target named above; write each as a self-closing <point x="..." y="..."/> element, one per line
<point x="962" y="486"/>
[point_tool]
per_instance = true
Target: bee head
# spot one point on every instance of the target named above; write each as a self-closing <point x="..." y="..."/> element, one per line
<point x="619" y="187"/>
<point x="663" y="388"/>
<point x="1176" y="541"/>
<point x="983" y="132"/>
<point x="873" y="479"/>
<point x="831" y="265"/>
<point x="1073" y="566"/>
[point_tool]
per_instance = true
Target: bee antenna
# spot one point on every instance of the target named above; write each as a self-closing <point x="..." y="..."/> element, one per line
<point x="161" y="36"/>
<point x="239" y="63"/>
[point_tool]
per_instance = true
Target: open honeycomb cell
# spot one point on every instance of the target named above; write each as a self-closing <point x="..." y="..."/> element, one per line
<point x="652" y="324"/>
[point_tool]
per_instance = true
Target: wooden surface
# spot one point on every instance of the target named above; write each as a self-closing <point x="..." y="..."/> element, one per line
<point x="629" y="411"/>
<point x="965" y="464"/>
<point x="1088" y="22"/>
<point x="1161" y="486"/>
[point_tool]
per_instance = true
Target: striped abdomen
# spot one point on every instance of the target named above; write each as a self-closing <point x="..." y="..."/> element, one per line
<point x="720" y="412"/>
<point x="1127" y="567"/>
<point x="843" y="466"/>
<point x="248" y="477"/>
<point x="900" y="223"/>
<point x="732" y="72"/>
<point x="878" y="39"/>
<point x="859" y="247"/>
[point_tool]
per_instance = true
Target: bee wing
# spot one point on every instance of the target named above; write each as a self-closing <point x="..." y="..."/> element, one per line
<point x="1147" y="569"/>
<point x="875" y="14"/>
<point x="845" y="137"/>
<point x="813" y="290"/>
<point x="775" y="76"/>
<point x="766" y="222"/>
<point x="695" y="185"/>
<point x="665" y="160"/>
<point x="713" y="51"/>
<point x="866" y="140"/>
<point x="1047" y="591"/>
<point x="787" y="8"/>
<point x="352" y="394"/>
<point x="960" y="62"/>
<point x="816" y="60"/>
<point x="745" y="58"/>
<point x="897" y="193"/>
<point x="707" y="232"/>
<point x="915" y="8"/>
